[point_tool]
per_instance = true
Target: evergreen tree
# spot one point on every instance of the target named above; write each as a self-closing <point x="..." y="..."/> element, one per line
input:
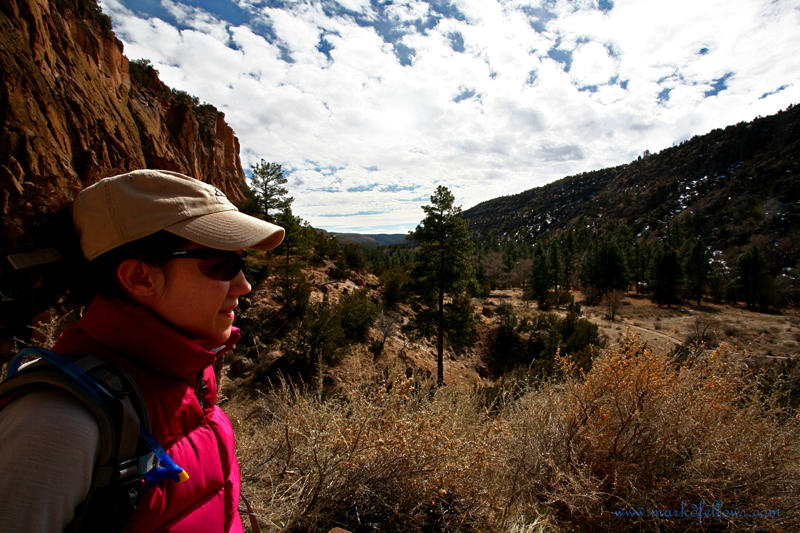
<point x="540" y="278"/>
<point x="354" y="256"/>
<point x="317" y="342"/>
<point x="755" y="284"/>
<point x="293" y="288"/>
<point x="568" y="259"/>
<point x="325" y="246"/>
<point x="554" y="264"/>
<point x="268" y="190"/>
<point x="510" y="256"/>
<point x="604" y="268"/>
<point x="481" y="279"/>
<point x="357" y="313"/>
<point x="697" y="268"/>
<point x="640" y="263"/>
<point x="666" y="275"/>
<point x="442" y="266"/>
<point x="300" y="236"/>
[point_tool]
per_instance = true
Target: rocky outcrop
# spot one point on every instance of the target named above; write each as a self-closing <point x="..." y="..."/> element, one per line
<point x="73" y="113"/>
<point x="73" y="110"/>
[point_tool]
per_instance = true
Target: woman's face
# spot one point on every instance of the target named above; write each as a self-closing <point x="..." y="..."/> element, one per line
<point x="195" y="304"/>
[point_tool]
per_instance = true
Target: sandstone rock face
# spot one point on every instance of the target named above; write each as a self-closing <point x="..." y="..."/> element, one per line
<point x="73" y="114"/>
<point x="73" y="110"/>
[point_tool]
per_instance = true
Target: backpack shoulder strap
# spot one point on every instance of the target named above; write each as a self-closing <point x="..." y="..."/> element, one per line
<point x="117" y="405"/>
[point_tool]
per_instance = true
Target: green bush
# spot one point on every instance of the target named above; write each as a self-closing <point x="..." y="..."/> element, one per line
<point x="535" y="342"/>
<point x="459" y="322"/>
<point x="184" y="98"/>
<point x="326" y="246"/>
<point x="339" y="270"/>
<point x="354" y="257"/>
<point x="320" y="338"/>
<point x="293" y="291"/>
<point x="356" y="313"/>
<point x="506" y="344"/>
<point x="317" y="341"/>
<point x="395" y="285"/>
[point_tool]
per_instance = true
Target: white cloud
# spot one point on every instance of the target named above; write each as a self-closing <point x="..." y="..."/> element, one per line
<point x="592" y="65"/>
<point x="199" y="19"/>
<point x="408" y="12"/>
<point x="358" y="6"/>
<point x="513" y="109"/>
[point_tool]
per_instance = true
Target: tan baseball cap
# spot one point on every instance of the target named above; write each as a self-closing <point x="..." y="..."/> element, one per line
<point x="121" y="209"/>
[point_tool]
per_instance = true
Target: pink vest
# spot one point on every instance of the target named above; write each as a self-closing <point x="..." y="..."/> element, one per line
<point x="176" y="377"/>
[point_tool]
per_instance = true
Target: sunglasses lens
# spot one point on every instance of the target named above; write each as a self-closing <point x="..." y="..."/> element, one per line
<point x="215" y="264"/>
<point x="224" y="269"/>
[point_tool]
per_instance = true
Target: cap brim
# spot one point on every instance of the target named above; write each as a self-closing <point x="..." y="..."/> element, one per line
<point x="229" y="230"/>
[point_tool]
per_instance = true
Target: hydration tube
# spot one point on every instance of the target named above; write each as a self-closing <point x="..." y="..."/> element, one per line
<point x="167" y="468"/>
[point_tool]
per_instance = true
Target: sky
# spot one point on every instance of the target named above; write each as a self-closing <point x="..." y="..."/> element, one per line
<point x="369" y="105"/>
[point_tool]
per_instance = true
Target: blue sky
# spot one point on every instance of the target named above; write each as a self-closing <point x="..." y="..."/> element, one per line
<point x="369" y="105"/>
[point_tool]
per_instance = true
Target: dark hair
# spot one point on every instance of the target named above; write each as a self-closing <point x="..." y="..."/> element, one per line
<point x="152" y="249"/>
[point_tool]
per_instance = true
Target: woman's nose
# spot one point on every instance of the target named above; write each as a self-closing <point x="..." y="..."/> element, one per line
<point x="240" y="285"/>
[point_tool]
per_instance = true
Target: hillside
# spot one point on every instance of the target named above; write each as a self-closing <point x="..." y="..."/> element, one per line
<point x="372" y="239"/>
<point x="734" y="186"/>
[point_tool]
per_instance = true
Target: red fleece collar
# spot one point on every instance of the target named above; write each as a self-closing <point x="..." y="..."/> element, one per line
<point x="136" y="333"/>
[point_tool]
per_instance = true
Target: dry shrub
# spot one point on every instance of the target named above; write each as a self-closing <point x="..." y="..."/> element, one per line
<point x="50" y="325"/>
<point x="638" y="432"/>
<point x="639" y="435"/>
<point x="395" y="456"/>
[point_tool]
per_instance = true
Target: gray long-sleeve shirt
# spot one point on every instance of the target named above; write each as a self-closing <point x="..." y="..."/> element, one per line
<point x="48" y="446"/>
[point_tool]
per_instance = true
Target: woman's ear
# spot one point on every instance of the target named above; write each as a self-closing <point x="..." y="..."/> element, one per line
<point x="140" y="280"/>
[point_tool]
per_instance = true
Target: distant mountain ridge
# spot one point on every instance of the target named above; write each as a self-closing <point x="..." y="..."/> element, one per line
<point x="739" y="184"/>
<point x="374" y="239"/>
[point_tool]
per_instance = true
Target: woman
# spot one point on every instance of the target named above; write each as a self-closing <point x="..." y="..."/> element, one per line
<point x="167" y="253"/>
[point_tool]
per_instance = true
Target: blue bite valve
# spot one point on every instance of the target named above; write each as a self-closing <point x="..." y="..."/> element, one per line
<point x="167" y="469"/>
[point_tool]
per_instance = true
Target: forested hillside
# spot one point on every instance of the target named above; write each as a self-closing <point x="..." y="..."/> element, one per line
<point x="731" y="188"/>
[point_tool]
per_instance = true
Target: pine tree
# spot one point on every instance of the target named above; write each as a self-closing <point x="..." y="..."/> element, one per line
<point x="604" y="267"/>
<point x="755" y="284"/>
<point x="268" y="191"/>
<point x="666" y="275"/>
<point x="540" y="278"/>
<point x="554" y="264"/>
<point x="640" y="262"/>
<point x="293" y="288"/>
<point x="567" y="259"/>
<point x="697" y="268"/>
<point x="442" y="268"/>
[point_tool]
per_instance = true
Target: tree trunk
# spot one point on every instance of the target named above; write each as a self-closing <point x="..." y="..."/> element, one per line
<point x="440" y="342"/>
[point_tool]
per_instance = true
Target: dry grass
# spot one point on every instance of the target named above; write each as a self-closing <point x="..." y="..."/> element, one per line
<point x="390" y="454"/>
<point x="638" y="431"/>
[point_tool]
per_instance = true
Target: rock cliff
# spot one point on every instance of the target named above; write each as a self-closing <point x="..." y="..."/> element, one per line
<point x="72" y="113"/>
<point x="73" y="110"/>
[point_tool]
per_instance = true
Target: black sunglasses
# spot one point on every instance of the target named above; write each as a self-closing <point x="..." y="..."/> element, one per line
<point x="220" y="265"/>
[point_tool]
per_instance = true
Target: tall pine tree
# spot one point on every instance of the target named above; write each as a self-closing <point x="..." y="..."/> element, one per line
<point x="442" y="269"/>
